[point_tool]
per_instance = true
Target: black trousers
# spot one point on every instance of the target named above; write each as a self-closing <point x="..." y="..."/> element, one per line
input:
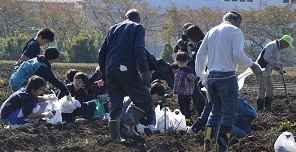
<point x="184" y="103"/>
<point x="126" y="83"/>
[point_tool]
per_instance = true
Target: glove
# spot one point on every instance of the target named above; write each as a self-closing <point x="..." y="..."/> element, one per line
<point x="279" y="64"/>
<point x="49" y="114"/>
<point x="152" y="128"/>
<point x="204" y="80"/>
<point x="146" y="76"/>
<point x="281" y="71"/>
<point x="69" y="97"/>
<point x="140" y="129"/>
<point x="77" y="103"/>
<point x="49" y="96"/>
<point x="256" y="69"/>
<point x="47" y="87"/>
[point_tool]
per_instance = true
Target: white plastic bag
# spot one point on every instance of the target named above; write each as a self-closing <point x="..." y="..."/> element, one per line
<point x="65" y="105"/>
<point x="165" y="120"/>
<point x="52" y="105"/>
<point x="285" y="143"/>
<point x="179" y="120"/>
<point x="242" y="76"/>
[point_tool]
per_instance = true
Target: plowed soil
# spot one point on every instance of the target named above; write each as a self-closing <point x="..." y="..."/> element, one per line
<point x="94" y="135"/>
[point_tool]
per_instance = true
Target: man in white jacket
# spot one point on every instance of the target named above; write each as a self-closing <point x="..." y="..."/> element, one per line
<point x="222" y="51"/>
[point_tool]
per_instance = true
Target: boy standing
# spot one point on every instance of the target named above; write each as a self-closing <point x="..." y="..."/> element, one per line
<point x="184" y="84"/>
<point x="32" y="48"/>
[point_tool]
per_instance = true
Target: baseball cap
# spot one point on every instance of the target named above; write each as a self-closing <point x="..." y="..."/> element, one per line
<point x="288" y="39"/>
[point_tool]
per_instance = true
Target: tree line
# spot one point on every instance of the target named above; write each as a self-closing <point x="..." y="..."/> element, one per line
<point x="80" y="27"/>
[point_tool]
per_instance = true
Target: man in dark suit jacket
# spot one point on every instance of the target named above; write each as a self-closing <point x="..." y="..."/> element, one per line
<point x="123" y="63"/>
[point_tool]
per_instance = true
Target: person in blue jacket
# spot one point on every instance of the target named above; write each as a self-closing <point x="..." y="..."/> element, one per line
<point x="123" y="62"/>
<point x="41" y="66"/>
<point x="242" y="126"/>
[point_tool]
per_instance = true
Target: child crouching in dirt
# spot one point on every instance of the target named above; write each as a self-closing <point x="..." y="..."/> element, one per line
<point x="77" y="91"/>
<point x="96" y="88"/>
<point x="242" y="126"/>
<point x="22" y="104"/>
<point x="147" y="123"/>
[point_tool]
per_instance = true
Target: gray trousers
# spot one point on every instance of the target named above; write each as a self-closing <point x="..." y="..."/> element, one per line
<point x="265" y="85"/>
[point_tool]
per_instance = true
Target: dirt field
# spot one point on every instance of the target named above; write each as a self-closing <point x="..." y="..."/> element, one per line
<point x="94" y="136"/>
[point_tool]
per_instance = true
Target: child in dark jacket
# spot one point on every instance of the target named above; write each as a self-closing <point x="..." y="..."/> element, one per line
<point x="22" y="105"/>
<point x="77" y="91"/>
<point x="184" y="85"/>
<point x="41" y="66"/>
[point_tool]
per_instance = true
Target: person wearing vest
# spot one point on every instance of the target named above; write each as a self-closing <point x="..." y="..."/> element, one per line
<point x="269" y="59"/>
<point x="41" y="66"/>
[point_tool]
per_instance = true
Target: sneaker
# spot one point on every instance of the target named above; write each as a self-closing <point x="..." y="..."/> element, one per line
<point x="189" y="131"/>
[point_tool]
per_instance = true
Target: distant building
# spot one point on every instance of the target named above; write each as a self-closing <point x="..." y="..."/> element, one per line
<point x="225" y="5"/>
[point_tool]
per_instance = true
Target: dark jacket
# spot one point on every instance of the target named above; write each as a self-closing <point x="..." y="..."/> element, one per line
<point x="20" y="99"/>
<point x="124" y="45"/>
<point x="32" y="49"/>
<point x="47" y="74"/>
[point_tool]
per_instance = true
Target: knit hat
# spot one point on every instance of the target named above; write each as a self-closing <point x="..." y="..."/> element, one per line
<point x="52" y="53"/>
<point x="288" y="39"/>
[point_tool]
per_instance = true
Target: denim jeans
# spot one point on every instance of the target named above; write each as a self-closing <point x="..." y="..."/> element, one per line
<point x="223" y="89"/>
<point x="238" y="132"/>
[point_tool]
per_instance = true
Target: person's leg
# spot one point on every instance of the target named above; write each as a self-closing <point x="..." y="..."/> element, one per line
<point x="181" y="102"/>
<point x="228" y="91"/>
<point x="116" y="95"/>
<point x="202" y="120"/>
<point x="212" y="126"/>
<point x="133" y="85"/>
<point x="238" y="132"/>
<point x="262" y="82"/>
<point x="269" y="93"/>
<point x="89" y="110"/>
<point x="197" y="99"/>
<point x="188" y="110"/>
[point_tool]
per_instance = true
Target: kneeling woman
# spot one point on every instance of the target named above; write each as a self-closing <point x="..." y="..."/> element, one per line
<point x="22" y="104"/>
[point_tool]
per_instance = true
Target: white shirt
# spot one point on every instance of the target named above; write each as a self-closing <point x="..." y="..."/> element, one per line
<point x="222" y="50"/>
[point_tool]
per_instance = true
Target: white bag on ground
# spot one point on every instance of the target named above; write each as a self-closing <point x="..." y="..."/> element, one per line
<point x="285" y="143"/>
<point x="52" y="104"/>
<point x="179" y="120"/>
<point x="164" y="120"/>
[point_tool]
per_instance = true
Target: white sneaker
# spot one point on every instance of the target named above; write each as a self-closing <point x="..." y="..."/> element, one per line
<point x="190" y="131"/>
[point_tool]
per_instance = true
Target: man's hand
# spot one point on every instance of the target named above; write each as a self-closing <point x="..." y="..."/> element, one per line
<point x="281" y="71"/>
<point x="49" y="114"/>
<point x="204" y="80"/>
<point x="99" y="83"/>
<point x="77" y="103"/>
<point x="256" y="69"/>
<point x="279" y="65"/>
<point x="146" y="76"/>
<point x="152" y="128"/>
<point x="140" y="129"/>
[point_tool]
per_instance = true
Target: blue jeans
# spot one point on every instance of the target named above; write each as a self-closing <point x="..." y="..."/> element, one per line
<point x="238" y="132"/>
<point x="223" y="89"/>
